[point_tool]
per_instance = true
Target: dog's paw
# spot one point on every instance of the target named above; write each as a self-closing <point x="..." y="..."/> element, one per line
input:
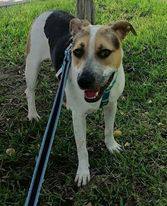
<point x="114" y="147"/>
<point x="82" y="177"/>
<point x="33" y="115"/>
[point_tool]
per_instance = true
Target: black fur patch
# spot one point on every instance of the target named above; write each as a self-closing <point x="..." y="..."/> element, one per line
<point x="115" y="41"/>
<point x="57" y="31"/>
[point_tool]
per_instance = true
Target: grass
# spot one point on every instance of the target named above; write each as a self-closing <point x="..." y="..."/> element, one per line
<point x="136" y="176"/>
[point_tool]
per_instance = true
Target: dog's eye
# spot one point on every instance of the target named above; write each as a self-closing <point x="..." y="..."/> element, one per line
<point x="104" y="53"/>
<point x="78" y="52"/>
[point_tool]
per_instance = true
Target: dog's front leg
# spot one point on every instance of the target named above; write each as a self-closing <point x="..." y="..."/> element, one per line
<point x="109" y="118"/>
<point x="79" y="123"/>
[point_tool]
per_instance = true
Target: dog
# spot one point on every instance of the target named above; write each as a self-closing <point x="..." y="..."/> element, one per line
<point x="96" y="62"/>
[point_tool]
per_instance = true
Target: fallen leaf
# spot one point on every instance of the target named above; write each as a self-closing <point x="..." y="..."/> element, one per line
<point x="117" y="133"/>
<point x="11" y="151"/>
<point x="150" y="101"/>
<point x="89" y="204"/>
<point x="127" y="144"/>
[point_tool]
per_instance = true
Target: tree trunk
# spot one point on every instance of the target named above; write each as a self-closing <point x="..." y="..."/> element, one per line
<point x="86" y="10"/>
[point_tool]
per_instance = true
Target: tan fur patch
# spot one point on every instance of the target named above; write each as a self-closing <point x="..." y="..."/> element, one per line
<point x="106" y="39"/>
<point x="81" y="40"/>
<point x="28" y="45"/>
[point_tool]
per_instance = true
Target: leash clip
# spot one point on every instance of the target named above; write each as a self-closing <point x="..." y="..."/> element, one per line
<point x="67" y="59"/>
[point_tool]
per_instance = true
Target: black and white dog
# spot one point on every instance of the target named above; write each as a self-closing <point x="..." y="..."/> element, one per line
<point x="96" y="64"/>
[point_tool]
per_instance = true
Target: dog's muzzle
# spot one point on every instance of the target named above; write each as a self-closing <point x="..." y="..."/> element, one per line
<point x="87" y="81"/>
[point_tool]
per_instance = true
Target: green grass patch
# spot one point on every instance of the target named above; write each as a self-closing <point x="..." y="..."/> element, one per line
<point x="136" y="176"/>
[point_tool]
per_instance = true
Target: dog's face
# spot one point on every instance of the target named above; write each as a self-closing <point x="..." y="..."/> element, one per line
<point x="96" y="54"/>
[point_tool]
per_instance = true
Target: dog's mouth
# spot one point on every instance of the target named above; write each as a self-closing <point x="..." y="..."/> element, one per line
<point x="93" y="95"/>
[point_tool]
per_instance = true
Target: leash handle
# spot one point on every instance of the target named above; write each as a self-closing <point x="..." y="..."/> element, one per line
<point x="47" y="141"/>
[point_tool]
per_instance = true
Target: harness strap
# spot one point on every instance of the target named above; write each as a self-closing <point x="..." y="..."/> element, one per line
<point x="47" y="141"/>
<point x="106" y="93"/>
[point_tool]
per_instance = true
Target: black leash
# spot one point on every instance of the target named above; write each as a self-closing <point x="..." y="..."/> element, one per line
<point x="47" y="141"/>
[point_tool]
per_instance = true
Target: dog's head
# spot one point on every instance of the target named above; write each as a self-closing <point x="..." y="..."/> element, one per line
<point x="96" y="54"/>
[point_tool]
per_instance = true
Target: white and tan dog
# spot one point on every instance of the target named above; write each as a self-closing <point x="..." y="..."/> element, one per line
<point x="96" y="63"/>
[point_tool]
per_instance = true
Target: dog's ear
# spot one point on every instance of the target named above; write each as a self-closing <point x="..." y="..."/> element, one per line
<point x="122" y="28"/>
<point x="76" y="25"/>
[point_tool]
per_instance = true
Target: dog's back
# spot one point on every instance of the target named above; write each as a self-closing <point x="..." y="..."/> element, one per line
<point x="57" y="26"/>
<point x="57" y="31"/>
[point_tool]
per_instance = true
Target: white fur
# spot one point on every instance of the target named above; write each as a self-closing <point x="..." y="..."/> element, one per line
<point x="75" y="96"/>
<point x="93" y="31"/>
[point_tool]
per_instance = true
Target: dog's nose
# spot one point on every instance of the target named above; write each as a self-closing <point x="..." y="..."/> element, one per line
<point x="86" y="80"/>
